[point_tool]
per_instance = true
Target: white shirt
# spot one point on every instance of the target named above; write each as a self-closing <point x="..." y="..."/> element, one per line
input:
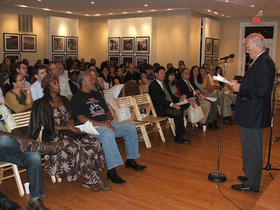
<point x="64" y="86"/>
<point x="36" y="90"/>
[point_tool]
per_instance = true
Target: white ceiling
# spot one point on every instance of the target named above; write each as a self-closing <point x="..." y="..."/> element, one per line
<point x="223" y="8"/>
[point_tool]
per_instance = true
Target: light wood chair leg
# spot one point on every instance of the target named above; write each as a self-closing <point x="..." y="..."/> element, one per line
<point x="160" y="132"/>
<point x="145" y="136"/>
<point x="172" y="125"/>
<point x="185" y="122"/>
<point x="1" y="174"/>
<point x="53" y="179"/>
<point x="59" y="179"/>
<point x="18" y="180"/>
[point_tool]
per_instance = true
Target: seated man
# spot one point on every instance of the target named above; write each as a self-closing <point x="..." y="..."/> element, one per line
<point x="26" y="153"/>
<point x="165" y="104"/>
<point x="88" y="104"/>
<point x="36" y="90"/>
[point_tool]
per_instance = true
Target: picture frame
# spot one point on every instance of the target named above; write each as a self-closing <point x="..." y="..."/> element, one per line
<point x="58" y="43"/>
<point x="208" y="46"/>
<point x="143" y="44"/>
<point x="215" y="61"/>
<point x="127" y="44"/>
<point x="72" y="56"/>
<point x="28" y="43"/>
<point x="115" y="59"/>
<point x="141" y="59"/>
<point x="216" y="47"/>
<point x="126" y="59"/>
<point x="15" y="57"/>
<point x="72" y="44"/>
<point x="11" y="42"/>
<point x="208" y="60"/>
<point x="57" y="57"/>
<point x="113" y="44"/>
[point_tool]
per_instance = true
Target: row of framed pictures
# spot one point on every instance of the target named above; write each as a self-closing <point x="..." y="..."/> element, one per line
<point x="124" y="59"/>
<point x="59" y="42"/>
<point x="63" y="57"/>
<point x="139" y="44"/>
<point x="212" y="46"/>
<point x="211" y="60"/>
<point x="19" y="42"/>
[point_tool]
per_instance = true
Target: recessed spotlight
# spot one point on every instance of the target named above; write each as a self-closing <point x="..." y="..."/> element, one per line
<point x="215" y="13"/>
<point x="86" y="14"/>
<point x="139" y="11"/>
<point x="209" y="10"/>
<point x="252" y="5"/>
<point x="39" y="0"/>
<point x="46" y="9"/>
<point x="222" y="15"/>
<point x="169" y="9"/>
<point x="146" y="5"/>
<point x="226" y="1"/>
<point x="124" y="12"/>
<point x="152" y="10"/>
<point x="111" y="13"/>
<point x="68" y="12"/>
<point x="21" y="5"/>
<point x="92" y="2"/>
<point x="97" y="14"/>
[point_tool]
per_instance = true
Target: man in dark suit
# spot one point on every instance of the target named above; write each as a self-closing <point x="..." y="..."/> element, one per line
<point x="165" y="104"/>
<point x="253" y="110"/>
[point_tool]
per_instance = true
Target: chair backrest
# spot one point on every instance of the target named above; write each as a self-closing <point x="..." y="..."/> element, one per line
<point x="144" y="101"/>
<point x="131" y="88"/>
<point x="22" y="119"/>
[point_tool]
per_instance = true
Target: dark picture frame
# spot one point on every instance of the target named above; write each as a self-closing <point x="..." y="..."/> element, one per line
<point x="58" y="43"/>
<point x="56" y="57"/>
<point x="115" y="59"/>
<point x="127" y="59"/>
<point x="143" y="44"/>
<point x="11" y="42"/>
<point x="28" y="42"/>
<point x="216" y="47"/>
<point x="113" y="44"/>
<point x="208" y="46"/>
<point x="76" y="56"/>
<point x="127" y="44"/>
<point x="208" y="60"/>
<point x="71" y="44"/>
<point x="215" y="61"/>
<point x="141" y="59"/>
<point x="13" y="56"/>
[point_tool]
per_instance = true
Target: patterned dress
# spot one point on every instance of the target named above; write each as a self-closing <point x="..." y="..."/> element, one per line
<point x="82" y="154"/>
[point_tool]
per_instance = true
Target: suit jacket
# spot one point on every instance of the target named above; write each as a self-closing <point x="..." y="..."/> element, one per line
<point x="253" y="103"/>
<point x="185" y="90"/>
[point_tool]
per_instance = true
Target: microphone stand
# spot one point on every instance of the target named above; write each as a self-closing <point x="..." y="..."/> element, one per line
<point x="217" y="176"/>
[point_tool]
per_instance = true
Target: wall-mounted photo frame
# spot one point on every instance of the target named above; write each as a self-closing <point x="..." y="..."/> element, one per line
<point x="28" y="42"/>
<point x="15" y="57"/>
<point x="208" y="46"/>
<point x="127" y="59"/>
<point x="58" y="58"/>
<point x="208" y="60"/>
<point x="216" y="46"/>
<point x="143" y="44"/>
<point x="71" y="44"/>
<point x="72" y="56"/>
<point x="113" y="44"/>
<point x="58" y="43"/>
<point x="11" y="42"/>
<point x="115" y="59"/>
<point x="127" y="44"/>
<point x="215" y="61"/>
<point x="141" y="59"/>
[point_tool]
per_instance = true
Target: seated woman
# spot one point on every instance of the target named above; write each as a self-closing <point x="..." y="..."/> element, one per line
<point x="82" y="154"/>
<point x="18" y="98"/>
<point x="169" y="82"/>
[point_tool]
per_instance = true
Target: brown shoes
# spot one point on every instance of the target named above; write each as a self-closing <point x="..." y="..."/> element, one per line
<point x="50" y="148"/>
<point x="36" y="205"/>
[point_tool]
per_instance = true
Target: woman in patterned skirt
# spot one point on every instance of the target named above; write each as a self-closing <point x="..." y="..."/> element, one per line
<point x="82" y="154"/>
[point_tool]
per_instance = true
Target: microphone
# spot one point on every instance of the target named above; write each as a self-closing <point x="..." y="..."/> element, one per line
<point x="227" y="57"/>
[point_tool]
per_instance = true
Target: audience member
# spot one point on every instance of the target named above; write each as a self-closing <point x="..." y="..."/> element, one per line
<point x="73" y="81"/>
<point x="106" y="77"/>
<point x="22" y="69"/>
<point x="131" y="74"/>
<point x="36" y="90"/>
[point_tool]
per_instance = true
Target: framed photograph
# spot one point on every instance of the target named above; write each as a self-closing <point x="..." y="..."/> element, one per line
<point x="72" y="44"/>
<point x="58" y="43"/>
<point x="28" y="42"/>
<point x="208" y="60"/>
<point x="128" y="44"/>
<point x="143" y="44"/>
<point x="208" y="46"/>
<point x="58" y="58"/>
<point x="216" y="46"/>
<point x="15" y="57"/>
<point x="215" y="61"/>
<point x="115" y="59"/>
<point x="72" y="56"/>
<point x="141" y="59"/>
<point x="127" y="59"/>
<point x="11" y="42"/>
<point x="114" y="44"/>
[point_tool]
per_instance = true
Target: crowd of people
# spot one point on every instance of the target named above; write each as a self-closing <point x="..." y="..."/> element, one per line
<point x="64" y="95"/>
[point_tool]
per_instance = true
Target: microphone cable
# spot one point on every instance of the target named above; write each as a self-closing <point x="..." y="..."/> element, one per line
<point x="227" y="198"/>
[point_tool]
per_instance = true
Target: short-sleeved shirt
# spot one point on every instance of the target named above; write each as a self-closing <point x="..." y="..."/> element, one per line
<point x="91" y="105"/>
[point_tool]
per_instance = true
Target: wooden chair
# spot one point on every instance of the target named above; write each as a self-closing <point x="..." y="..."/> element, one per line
<point x="128" y="102"/>
<point x="144" y="101"/>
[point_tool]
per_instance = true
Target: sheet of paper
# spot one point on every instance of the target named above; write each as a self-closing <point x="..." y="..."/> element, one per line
<point x="221" y="79"/>
<point x="88" y="128"/>
<point x="212" y="99"/>
<point x="114" y="92"/>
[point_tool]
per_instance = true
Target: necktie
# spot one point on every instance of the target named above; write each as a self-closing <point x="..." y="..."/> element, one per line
<point x="168" y="97"/>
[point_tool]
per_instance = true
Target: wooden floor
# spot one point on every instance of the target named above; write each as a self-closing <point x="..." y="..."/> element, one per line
<point x="176" y="177"/>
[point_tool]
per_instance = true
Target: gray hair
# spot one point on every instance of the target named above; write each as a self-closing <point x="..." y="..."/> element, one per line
<point x="257" y="40"/>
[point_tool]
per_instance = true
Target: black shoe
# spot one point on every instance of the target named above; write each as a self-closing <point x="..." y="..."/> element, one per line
<point x="213" y="125"/>
<point x="181" y="140"/>
<point x="114" y="177"/>
<point x="6" y="203"/>
<point x="131" y="163"/>
<point x="242" y="178"/>
<point x="243" y="188"/>
<point x="227" y="120"/>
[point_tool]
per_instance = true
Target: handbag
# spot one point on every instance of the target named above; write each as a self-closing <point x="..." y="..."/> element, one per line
<point x="9" y="121"/>
<point x="124" y="113"/>
<point x="195" y="114"/>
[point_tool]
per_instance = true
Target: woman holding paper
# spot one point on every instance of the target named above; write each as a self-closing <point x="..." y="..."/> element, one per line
<point x="82" y="154"/>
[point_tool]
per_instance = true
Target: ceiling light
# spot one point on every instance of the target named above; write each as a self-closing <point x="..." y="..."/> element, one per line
<point x="169" y="9"/>
<point x="146" y="5"/>
<point x="97" y="14"/>
<point x="92" y="2"/>
<point x="39" y="0"/>
<point x="69" y="12"/>
<point x="139" y="11"/>
<point x="215" y="13"/>
<point x="252" y="5"/>
<point x="86" y="14"/>
<point x="222" y="15"/>
<point x="226" y="0"/>
<point x="22" y="5"/>
<point x="152" y="10"/>
<point x="209" y="10"/>
<point x="124" y="12"/>
<point x="46" y="9"/>
<point x="110" y="13"/>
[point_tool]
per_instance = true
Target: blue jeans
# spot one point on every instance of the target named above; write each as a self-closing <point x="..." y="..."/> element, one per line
<point x="110" y="147"/>
<point x="10" y="152"/>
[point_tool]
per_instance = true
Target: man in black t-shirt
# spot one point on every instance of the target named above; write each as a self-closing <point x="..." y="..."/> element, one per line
<point x="88" y="104"/>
